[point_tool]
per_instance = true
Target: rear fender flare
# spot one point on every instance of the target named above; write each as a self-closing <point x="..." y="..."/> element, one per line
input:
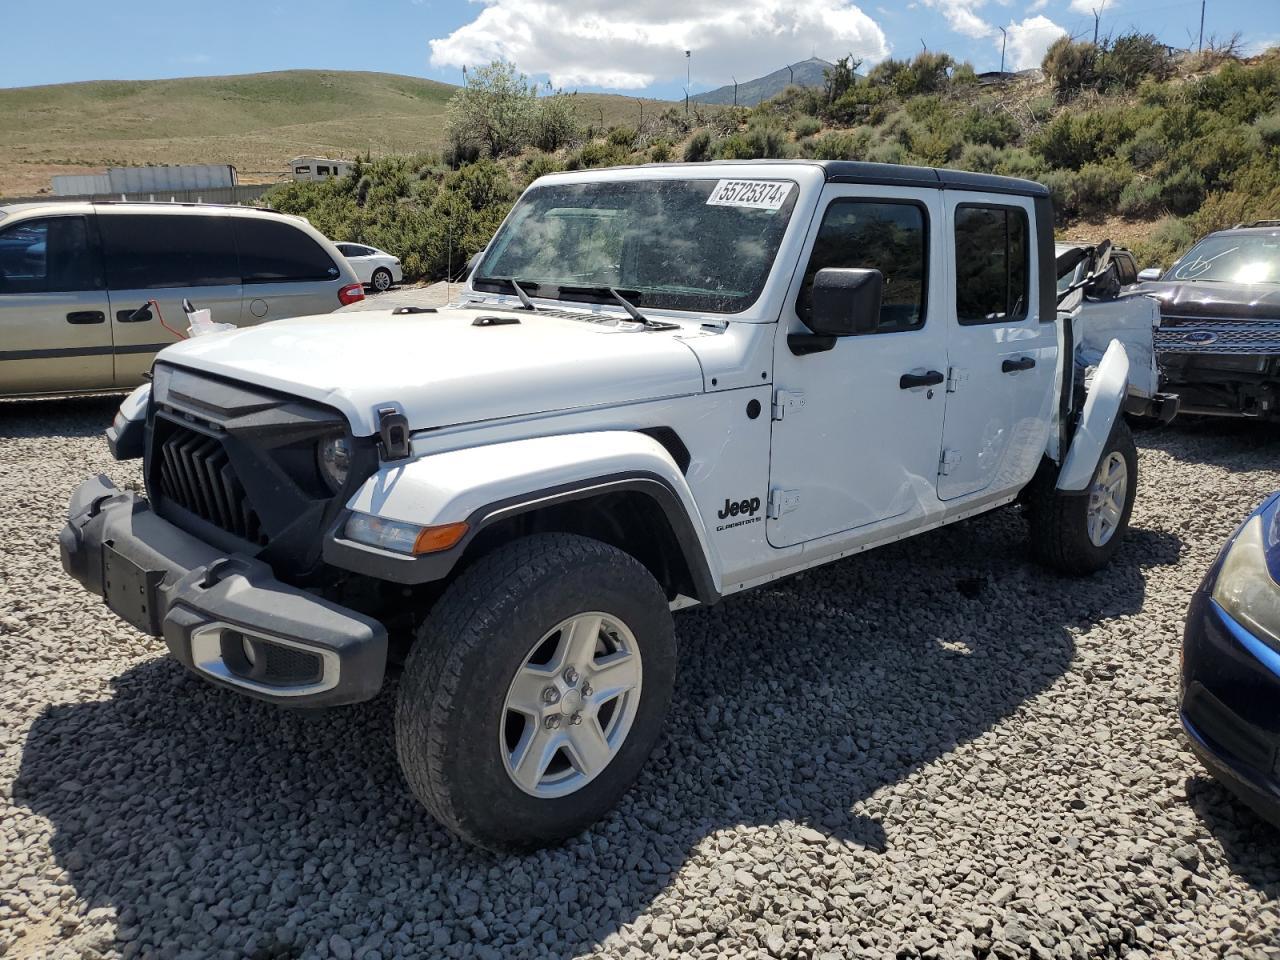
<point x="1106" y="396"/>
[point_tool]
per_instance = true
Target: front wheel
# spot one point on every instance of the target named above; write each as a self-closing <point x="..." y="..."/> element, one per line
<point x="535" y="691"/>
<point x="1078" y="533"/>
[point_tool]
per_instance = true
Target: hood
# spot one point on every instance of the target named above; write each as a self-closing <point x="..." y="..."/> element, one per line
<point x="442" y="368"/>
<point x="1215" y="300"/>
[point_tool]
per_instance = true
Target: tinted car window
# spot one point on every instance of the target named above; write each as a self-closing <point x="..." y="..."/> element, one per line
<point x="275" y="251"/>
<point x="51" y="255"/>
<point x="992" y="264"/>
<point x="148" y="251"/>
<point x="1126" y="268"/>
<point x="875" y="235"/>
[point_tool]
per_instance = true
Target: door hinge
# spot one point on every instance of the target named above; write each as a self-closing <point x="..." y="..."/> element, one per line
<point x="947" y="461"/>
<point x="782" y="501"/>
<point x="955" y="376"/>
<point x="784" y="400"/>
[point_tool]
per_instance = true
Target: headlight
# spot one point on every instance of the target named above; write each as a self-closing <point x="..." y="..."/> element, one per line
<point x="1245" y="588"/>
<point x="334" y="456"/>
<point x="400" y="537"/>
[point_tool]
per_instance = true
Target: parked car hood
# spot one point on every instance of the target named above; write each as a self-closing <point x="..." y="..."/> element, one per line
<point x="1215" y="300"/>
<point x="442" y="368"/>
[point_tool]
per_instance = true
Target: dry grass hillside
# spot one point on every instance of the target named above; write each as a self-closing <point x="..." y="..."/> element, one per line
<point x="255" y="121"/>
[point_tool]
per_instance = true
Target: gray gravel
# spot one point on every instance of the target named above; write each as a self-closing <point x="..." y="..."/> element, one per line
<point x="932" y="750"/>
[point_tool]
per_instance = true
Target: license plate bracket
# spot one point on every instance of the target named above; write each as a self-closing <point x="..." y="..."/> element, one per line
<point x="131" y="592"/>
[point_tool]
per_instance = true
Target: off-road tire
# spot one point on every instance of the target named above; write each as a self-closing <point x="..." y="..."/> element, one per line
<point x="1059" y="521"/>
<point x="452" y="692"/>
<point x="387" y="282"/>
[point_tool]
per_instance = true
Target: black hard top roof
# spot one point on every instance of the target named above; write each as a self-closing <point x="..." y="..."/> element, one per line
<point x="892" y="174"/>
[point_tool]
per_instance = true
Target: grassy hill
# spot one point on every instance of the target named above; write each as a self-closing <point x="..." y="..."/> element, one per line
<point x="255" y="121"/>
<point x="807" y="73"/>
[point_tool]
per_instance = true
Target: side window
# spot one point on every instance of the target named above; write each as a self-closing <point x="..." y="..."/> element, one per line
<point x="275" y="251"/>
<point x="150" y="251"/>
<point x="346" y="249"/>
<point x="888" y="236"/>
<point x="1126" y="268"/>
<point x="51" y="255"/>
<point x="302" y="171"/>
<point x="992" y="264"/>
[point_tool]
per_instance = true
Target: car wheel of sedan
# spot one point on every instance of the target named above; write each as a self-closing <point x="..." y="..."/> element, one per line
<point x="535" y="691"/>
<point x="381" y="280"/>
<point x="1079" y="533"/>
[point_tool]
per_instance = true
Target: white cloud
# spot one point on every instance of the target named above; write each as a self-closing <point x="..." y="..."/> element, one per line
<point x="1086" y="7"/>
<point x="1029" y="40"/>
<point x="962" y="16"/>
<point x="629" y="44"/>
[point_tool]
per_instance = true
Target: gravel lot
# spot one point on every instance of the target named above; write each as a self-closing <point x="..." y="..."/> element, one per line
<point x="932" y="750"/>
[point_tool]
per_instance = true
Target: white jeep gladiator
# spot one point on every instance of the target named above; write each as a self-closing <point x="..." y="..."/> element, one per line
<point x="660" y="386"/>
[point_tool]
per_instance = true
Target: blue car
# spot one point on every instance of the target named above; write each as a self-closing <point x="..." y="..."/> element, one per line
<point x="1231" y="664"/>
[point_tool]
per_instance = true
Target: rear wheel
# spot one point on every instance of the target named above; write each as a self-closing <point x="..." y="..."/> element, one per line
<point x="1078" y="533"/>
<point x="535" y="691"/>
<point x="381" y="280"/>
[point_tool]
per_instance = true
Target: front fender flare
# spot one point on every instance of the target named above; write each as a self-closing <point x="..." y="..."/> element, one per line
<point x="1107" y="392"/>
<point x="484" y="485"/>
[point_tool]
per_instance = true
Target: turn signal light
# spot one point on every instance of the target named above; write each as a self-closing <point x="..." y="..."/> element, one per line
<point x="350" y="293"/>
<point x="433" y="539"/>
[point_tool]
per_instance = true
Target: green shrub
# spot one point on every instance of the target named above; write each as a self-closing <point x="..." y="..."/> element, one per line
<point x="763" y="139"/>
<point x="1182" y="190"/>
<point x="1017" y="162"/>
<point x="1167" y="241"/>
<point x="841" y="146"/>
<point x="807" y="126"/>
<point x="979" y="157"/>
<point x="555" y="122"/>
<point x="1041" y="108"/>
<point x="1141" y="198"/>
<point x="1070" y="66"/>
<point x="1268" y="129"/>
<point x="888" y="151"/>
<point x="698" y="148"/>
<point x="660" y="151"/>
<point x="1127" y="60"/>
<point x="863" y="102"/>
<point x="935" y="148"/>
<point x="624" y="137"/>
<point x="990" y="124"/>
<point x="926" y="73"/>
<point x="539" y="165"/>
<point x="598" y="153"/>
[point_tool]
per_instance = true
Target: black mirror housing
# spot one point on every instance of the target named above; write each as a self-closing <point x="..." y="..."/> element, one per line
<point x="846" y="301"/>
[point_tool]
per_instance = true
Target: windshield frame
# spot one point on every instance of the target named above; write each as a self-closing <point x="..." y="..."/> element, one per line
<point x="794" y="206"/>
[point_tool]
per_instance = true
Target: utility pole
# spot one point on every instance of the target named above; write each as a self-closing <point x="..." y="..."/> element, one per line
<point x="641" y="102"/>
<point x="1097" y="17"/>
<point x="792" y="74"/>
<point x="735" y="89"/>
<point x="1200" y="42"/>
<point x="1003" y="43"/>
<point x="688" y="78"/>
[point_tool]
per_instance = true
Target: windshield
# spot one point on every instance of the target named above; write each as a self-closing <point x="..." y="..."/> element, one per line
<point x="703" y="245"/>
<point x="1233" y="258"/>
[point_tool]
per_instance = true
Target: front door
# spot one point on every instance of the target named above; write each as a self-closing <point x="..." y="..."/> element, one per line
<point x="54" y="334"/>
<point x="167" y="255"/>
<point x="1001" y="353"/>
<point x="858" y="426"/>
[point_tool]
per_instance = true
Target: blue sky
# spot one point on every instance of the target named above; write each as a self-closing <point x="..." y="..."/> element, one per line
<point x="627" y="46"/>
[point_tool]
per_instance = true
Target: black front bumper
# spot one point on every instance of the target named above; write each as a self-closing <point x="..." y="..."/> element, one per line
<point x="227" y="618"/>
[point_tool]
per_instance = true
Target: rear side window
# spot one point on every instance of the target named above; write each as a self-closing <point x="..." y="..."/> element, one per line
<point x="50" y="255"/>
<point x="992" y="264"/>
<point x="875" y="235"/>
<point x="1126" y="268"/>
<point x="149" y="251"/>
<point x="275" y="251"/>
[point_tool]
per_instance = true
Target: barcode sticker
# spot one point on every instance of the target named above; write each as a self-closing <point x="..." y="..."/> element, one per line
<point x="756" y="194"/>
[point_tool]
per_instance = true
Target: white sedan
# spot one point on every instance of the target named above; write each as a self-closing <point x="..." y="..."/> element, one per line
<point x="374" y="268"/>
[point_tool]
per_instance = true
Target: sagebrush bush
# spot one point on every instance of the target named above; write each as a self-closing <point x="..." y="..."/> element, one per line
<point x="1268" y="129"/>
<point x="1140" y="198"/>
<point x="1070" y="66"/>
<point x="807" y="126"/>
<point x="990" y="124"/>
<point x="698" y="148"/>
<point x="841" y="146"/>
<point x="598" y="153"/>
<point x="1131" y="58"/>
<point x="660" y="151"/>
<point x="539" y="165"/>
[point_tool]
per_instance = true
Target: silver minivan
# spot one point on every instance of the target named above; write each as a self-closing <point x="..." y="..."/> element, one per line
<point x="75" y="276"/>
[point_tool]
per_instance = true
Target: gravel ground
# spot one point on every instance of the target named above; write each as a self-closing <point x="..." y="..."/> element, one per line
<point x="932" y="750"/>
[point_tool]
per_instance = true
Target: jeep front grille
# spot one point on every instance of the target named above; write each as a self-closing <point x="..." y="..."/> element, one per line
<point x="1196" y="335"/>
<point x="196" y="474"/>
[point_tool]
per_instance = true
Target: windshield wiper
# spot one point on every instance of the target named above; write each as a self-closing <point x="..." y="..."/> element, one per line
<point x="630" y="307"/>
<point x="516" y="285"/>
<point x="614" y="294"/>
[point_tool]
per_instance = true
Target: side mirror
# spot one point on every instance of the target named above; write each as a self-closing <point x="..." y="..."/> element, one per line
<point x="1150" y="273"/>
<point x="845" y="302"/>
<point x="472" y="264"/>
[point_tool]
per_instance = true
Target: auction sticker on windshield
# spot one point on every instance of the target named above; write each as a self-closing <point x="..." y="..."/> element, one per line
<point x="756" y="194"/>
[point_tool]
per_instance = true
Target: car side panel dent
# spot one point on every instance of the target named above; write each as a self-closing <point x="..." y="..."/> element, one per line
<point x="459" y="484"/>
<point x="1107" y="391"/>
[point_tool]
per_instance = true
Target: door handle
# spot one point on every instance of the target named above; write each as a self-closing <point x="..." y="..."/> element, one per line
<point x="86" y="316"/>
<point x="930" y="378"/>
<point x="134" y="316"/>
<point x="1013" y="366"/>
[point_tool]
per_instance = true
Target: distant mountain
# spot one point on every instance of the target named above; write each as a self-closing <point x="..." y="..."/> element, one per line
<point x="808" y="73"/>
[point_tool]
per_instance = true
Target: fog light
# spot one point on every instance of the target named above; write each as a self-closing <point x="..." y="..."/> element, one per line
<point x="249" y="653"/>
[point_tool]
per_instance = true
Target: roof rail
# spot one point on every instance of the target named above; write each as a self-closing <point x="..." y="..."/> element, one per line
<point x="178" y="203"/>
<point x="1257" y="223"/>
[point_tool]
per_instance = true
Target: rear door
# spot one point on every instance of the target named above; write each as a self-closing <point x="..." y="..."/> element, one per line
<point x="54" y="334"/>
<point x="1001" y="353"/>
<point x="165" y="255"/>
<point x="286" y="273"/>
<point x="360" y="258"/>
<point x="857" y="427"/>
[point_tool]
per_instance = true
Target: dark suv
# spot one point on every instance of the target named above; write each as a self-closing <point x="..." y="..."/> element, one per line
<point x="1218" y="344"/>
